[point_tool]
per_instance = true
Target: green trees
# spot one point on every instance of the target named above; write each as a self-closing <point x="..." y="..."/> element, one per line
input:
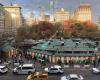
<point x="77" y="29"/>
<point x="46" y="30"/>
<point x="22" y="33"/>
<point x="84" y="30"/>
<point x="42" y="30"/>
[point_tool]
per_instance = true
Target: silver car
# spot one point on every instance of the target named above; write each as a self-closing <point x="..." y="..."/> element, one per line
<point x="54" y="70"/>
<point x="96" y="70"/>
<point x="3" y="69"/>
<point x="24" y="69"/>
<point x="72" y="77"/>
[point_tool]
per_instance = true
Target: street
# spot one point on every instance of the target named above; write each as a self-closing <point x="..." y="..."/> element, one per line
<point x="86" y="73"/>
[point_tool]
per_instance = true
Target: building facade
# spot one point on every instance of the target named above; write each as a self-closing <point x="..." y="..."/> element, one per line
<point x="83" y="13"/>
<point x="61" y="15"/>
<point x="2" y="20"/>
<point x="98" y="22"/>
<point x="15" y="17"/>
<point x="8" y="23"/>
<point x="31" y="19"/>
<point x="42" y="14"/>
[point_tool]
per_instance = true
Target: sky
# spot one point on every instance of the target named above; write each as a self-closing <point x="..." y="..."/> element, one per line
<point x="68" y="5"/>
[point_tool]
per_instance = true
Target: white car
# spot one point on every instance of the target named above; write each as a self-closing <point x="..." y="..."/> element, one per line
<point x="24" y="69"/>
<point x="56" y="69"/>
<point x="3" y="69"/>
<point x="96" y="70"/>
<point x="72" y="77"/>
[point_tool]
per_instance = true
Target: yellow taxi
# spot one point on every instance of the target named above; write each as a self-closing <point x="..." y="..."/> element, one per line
<point x="40" y="76"/>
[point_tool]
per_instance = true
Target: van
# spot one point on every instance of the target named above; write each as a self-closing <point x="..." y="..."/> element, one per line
<point x="24" y="69"/>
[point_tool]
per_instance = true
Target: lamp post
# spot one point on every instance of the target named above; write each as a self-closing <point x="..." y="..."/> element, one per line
<point x="96" y="60"/>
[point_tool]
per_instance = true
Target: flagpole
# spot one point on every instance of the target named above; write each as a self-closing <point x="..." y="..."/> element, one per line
<point x="53" y="9"/>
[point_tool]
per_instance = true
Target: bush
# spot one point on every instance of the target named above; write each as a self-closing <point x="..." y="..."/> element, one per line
<point x="65" y="62"/>
<point x="59" y="61"/>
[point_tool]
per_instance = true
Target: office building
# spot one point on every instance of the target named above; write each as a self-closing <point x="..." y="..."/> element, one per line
<point x="83" y="13"/>
<point x="61" y="16"/>
<point x="2" y="20"/>
<point x="16" y="17"/>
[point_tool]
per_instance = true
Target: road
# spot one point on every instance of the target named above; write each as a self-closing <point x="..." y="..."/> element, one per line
<point x="86" y="73"/>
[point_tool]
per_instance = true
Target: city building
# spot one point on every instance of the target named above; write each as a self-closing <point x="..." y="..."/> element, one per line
<point x="31" y="19"/>
<point x="61" y="15"/>
<point x="98" y="22"/>
<point x="8" y="23"/>
<point x="73" y="50"/>
<point x="16" y="17"/>
<point x="83" y="13"/>
<point x="2" y="20"/>
<point x="42" y="14"/>
<point x="47" y="17"/>
<point x="51" y="18"/>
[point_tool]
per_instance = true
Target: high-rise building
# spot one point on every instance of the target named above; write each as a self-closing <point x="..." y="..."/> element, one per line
<point x="2" y="20"/>
<point x="31" y="19"/>
<point x="8" y="23"/>
<point x="61" y="15"/>
<point x="42" y="14"/>
<point x="16" y="17"/>
<point x="98" y="22"/>
<point x="47" y="17"/>
<point x="83" y="13"/>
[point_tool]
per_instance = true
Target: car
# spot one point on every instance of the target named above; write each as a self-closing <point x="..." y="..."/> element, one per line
<point x="40" y="60"/>
<point x="24" y="69"/>
<point x="72" y="77"/>
<point x="40" y="76"/>
<point x="21" y="61"/>
<point x="3" y="69"/>
<point x="96" y="70"/>
<point x="16" y="63"/>
<point x="56" y="69"/>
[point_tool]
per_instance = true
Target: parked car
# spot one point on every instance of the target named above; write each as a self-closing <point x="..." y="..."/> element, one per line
<point x="96" y="70"/>
<point x="21" y="61"/>
<point x="40" y="60"/>
<point x="16" y="63"/>
<point x="72" y="77"/>
<point x="24" y="69"/>
<point x="56" y="69"/>
<point x="3" y="69"/>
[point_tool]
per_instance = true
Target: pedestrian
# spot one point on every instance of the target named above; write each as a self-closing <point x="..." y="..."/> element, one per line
<point x="94" y="63"/>
<point x="30" y="76"/>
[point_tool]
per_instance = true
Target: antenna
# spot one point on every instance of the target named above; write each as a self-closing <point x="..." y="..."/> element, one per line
<point x="11" y="3"/>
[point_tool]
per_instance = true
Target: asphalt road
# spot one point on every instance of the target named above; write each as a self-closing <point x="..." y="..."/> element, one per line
<point x="86" y="73"/>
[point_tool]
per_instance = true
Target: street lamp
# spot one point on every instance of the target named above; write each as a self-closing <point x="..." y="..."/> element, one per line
<point x="96" y="60"/>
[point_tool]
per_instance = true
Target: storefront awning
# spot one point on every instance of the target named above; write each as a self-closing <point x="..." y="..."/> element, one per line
<point x="6" y="47"/>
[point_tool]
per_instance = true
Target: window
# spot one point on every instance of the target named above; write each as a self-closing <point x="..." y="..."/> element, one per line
<point x="53" y="69"/>
<point x="74" y="79"/>
<point x="27" y="67"/>
<point x="19" y="67"/>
